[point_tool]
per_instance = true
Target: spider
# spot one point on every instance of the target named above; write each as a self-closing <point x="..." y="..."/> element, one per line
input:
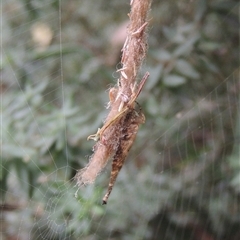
<point x="114" y="140"/>
<point x="129" y="128"/>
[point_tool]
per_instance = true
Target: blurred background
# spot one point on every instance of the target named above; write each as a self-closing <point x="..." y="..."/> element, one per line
<point x="181" y="179"/>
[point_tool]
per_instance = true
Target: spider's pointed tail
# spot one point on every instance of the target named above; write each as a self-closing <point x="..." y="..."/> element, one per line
<point x="116" y="167"/>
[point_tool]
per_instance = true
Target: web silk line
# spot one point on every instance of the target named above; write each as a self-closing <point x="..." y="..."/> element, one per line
<point x="62" y="81"/>
<point x="1" y="63"/>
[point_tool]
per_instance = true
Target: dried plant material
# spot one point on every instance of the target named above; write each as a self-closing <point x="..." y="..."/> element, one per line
<point x="120" y="128"/>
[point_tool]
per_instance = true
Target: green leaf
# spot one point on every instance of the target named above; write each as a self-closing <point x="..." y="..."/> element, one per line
<point x="185" y="48"/>
<point x="162" y="55"/>
<point x="12" y="151"/>
<point x="186" y="69"/>
<point x="3" y="181"/>
<point x="155" y="73"/>
<point x="235" y="183"/>
<point x="209" y="46"/>
<point x="174" y="81"/>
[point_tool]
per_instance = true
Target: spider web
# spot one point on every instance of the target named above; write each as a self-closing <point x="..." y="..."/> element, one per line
<point x="181" y="179"/>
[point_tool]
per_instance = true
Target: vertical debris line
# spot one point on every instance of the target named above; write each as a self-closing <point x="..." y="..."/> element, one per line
<point x="133" y="53"/>
<point x="118" y="133"/>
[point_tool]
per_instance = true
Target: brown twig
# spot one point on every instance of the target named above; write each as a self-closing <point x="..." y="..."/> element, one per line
<point x="119" y="131"/>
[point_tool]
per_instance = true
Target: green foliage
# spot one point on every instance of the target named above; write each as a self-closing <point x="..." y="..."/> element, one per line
<point x="186" y="157"/>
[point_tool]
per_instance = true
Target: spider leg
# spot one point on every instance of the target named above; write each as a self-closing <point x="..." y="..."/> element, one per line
<point x="141" y="84"/>
<point x="133" y="99"/>
<point x="95" y="136"/>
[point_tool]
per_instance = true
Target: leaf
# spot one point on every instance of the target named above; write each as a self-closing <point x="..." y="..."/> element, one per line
<point x="186" y="69"/>
<point x="209" y="65"/>
<point x="152" y="105"/>
<point x="209" y="46"/>
<point x="201" y="8"/>
<point x="185" y="48"/>
<point x="12" y="151"/>
<point x="235" y="183"/>
<point x="169" y="33"/>
<point x="3" y="180"/>
<point x="162" y="55"/>
<point x="155" y="73"/>
<point x="174" y="80"/>
<point x="21" y="113"/>
<point x="22" y="173"/>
